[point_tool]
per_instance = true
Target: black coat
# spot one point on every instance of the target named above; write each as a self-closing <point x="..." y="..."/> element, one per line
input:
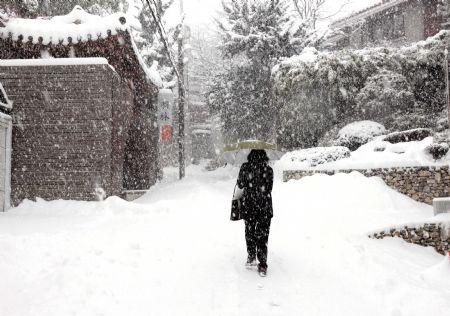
<point x="256" y="178"/>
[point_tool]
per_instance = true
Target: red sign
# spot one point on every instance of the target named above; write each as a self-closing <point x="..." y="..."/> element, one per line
<point x="166" y="133"/>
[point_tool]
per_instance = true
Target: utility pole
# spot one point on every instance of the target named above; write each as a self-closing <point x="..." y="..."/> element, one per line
<point x="178" y="67"/>
<point x="447" y="85"/>
<point x="181" y="97"/>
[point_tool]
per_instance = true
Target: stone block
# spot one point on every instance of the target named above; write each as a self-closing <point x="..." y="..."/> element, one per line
<point x="441" y="205"/>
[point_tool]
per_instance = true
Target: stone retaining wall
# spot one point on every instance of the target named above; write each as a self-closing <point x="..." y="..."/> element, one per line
<point x="436" y="235"/>
<point x="423" y="184"/>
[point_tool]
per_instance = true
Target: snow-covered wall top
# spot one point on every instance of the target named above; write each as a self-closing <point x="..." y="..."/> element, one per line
<point x="373" y="155"/>
<point x="52" y="62"/>
<point x="77" y="26"/>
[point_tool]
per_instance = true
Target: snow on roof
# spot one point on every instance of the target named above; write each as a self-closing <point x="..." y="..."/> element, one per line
<point x="75" y="27"/>
<point x="357" y="16"/>
<point x="53" y="62"/>
<point x="362" y="129"/>
<point x="151" y="73"/>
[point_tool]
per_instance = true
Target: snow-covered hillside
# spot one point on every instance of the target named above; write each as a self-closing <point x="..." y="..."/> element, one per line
<point x="175" y="252"/>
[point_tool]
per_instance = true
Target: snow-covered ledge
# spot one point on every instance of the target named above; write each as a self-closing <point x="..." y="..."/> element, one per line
<point x="434" y="232"/>
<point x="52" y="62"/>
<point x="131" y="195"/>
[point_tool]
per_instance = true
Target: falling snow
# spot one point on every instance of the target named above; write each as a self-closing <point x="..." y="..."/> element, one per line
<point x="123" y="124"/>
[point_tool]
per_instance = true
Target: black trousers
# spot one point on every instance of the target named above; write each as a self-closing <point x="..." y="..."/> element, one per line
<point x="257" y="236"/>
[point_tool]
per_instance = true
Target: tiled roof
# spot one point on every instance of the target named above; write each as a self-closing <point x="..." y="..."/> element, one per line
<point x="74" y="27"/>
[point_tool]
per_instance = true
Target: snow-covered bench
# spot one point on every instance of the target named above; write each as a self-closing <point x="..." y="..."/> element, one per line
<point x="441" y="205"/>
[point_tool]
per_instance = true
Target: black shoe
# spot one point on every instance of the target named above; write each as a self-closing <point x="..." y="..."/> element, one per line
<point x="251" y="262"/>
<point x="262" y="271"/>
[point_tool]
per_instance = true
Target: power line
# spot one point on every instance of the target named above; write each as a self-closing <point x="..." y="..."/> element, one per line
<point x="163" y="35"/>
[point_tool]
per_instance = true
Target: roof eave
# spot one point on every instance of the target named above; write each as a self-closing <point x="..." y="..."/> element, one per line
<point x="361" y="16"/>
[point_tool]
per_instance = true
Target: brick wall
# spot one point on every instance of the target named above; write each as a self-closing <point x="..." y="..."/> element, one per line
<point x="423" y="184"/>
<point x="141" y="160"/>
<point x="69" y="130"/>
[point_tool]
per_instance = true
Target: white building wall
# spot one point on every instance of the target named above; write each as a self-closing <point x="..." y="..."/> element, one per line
<point x="5" y="161"/>
<point x="414" y="23"/>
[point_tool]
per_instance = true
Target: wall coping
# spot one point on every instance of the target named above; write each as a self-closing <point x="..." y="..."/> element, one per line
<point x="330" y="170"/>
<point x="53" y="62"/>
<point x="66" y="64"/>
<point x="431" y="223"/>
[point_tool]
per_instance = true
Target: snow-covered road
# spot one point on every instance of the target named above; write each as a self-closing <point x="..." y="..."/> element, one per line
<point x="175" y="252"/>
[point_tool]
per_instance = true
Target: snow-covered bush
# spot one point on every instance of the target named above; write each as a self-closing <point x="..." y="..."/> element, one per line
<point x="334" y="81"/>
<point x="300" y="128"/>
<point x="385" y="93"/>
<point x="420" y="118"/>
<point x="313" y="157"/>
<point x="380" y="154"/>
<point x="411" y="135"/>
<point x="442" y="122"/>
<point x="437" y="150"/>
<point x="356" y="134"/>
<point x="329" y="138"/>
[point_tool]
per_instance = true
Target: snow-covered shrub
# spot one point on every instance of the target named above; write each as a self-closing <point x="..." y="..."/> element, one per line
<point x="437" y="150"/>
<point x="385" y="93"/>
<point x="420" y="118"/>
<point x="380" y="148"/>
<point x="313" y="157"/>
<point x="32" y="5"/>
<point x="299" y="128"/>
<point x="356" y="134"/>
<point x="442" y="122"/>
<point x="411" y="135"/>
<point x="214" y="164"/>
<point x="329" y="138"/>
<point x="333" y="81"/>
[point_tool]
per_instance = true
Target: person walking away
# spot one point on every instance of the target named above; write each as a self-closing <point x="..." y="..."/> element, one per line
<point x="256" y="179"/>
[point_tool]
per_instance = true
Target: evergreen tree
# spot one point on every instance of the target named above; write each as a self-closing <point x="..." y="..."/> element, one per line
<point x="444" y="11"/>
<point x="255" y="36"/>
<point x="262" y="30"/>
<point x="242" y="97"/>
<point x="148" y="39"/>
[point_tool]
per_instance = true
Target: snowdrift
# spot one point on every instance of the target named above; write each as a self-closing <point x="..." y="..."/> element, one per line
<point x="175" y="252"/>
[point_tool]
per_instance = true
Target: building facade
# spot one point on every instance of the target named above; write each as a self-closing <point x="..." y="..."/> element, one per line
<point x="83" y="107"/>
<point x="391" y="22"/>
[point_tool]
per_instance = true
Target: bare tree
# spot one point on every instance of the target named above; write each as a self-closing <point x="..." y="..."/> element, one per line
<point x="308" y="10"/>
<point x="312" y="10"/>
